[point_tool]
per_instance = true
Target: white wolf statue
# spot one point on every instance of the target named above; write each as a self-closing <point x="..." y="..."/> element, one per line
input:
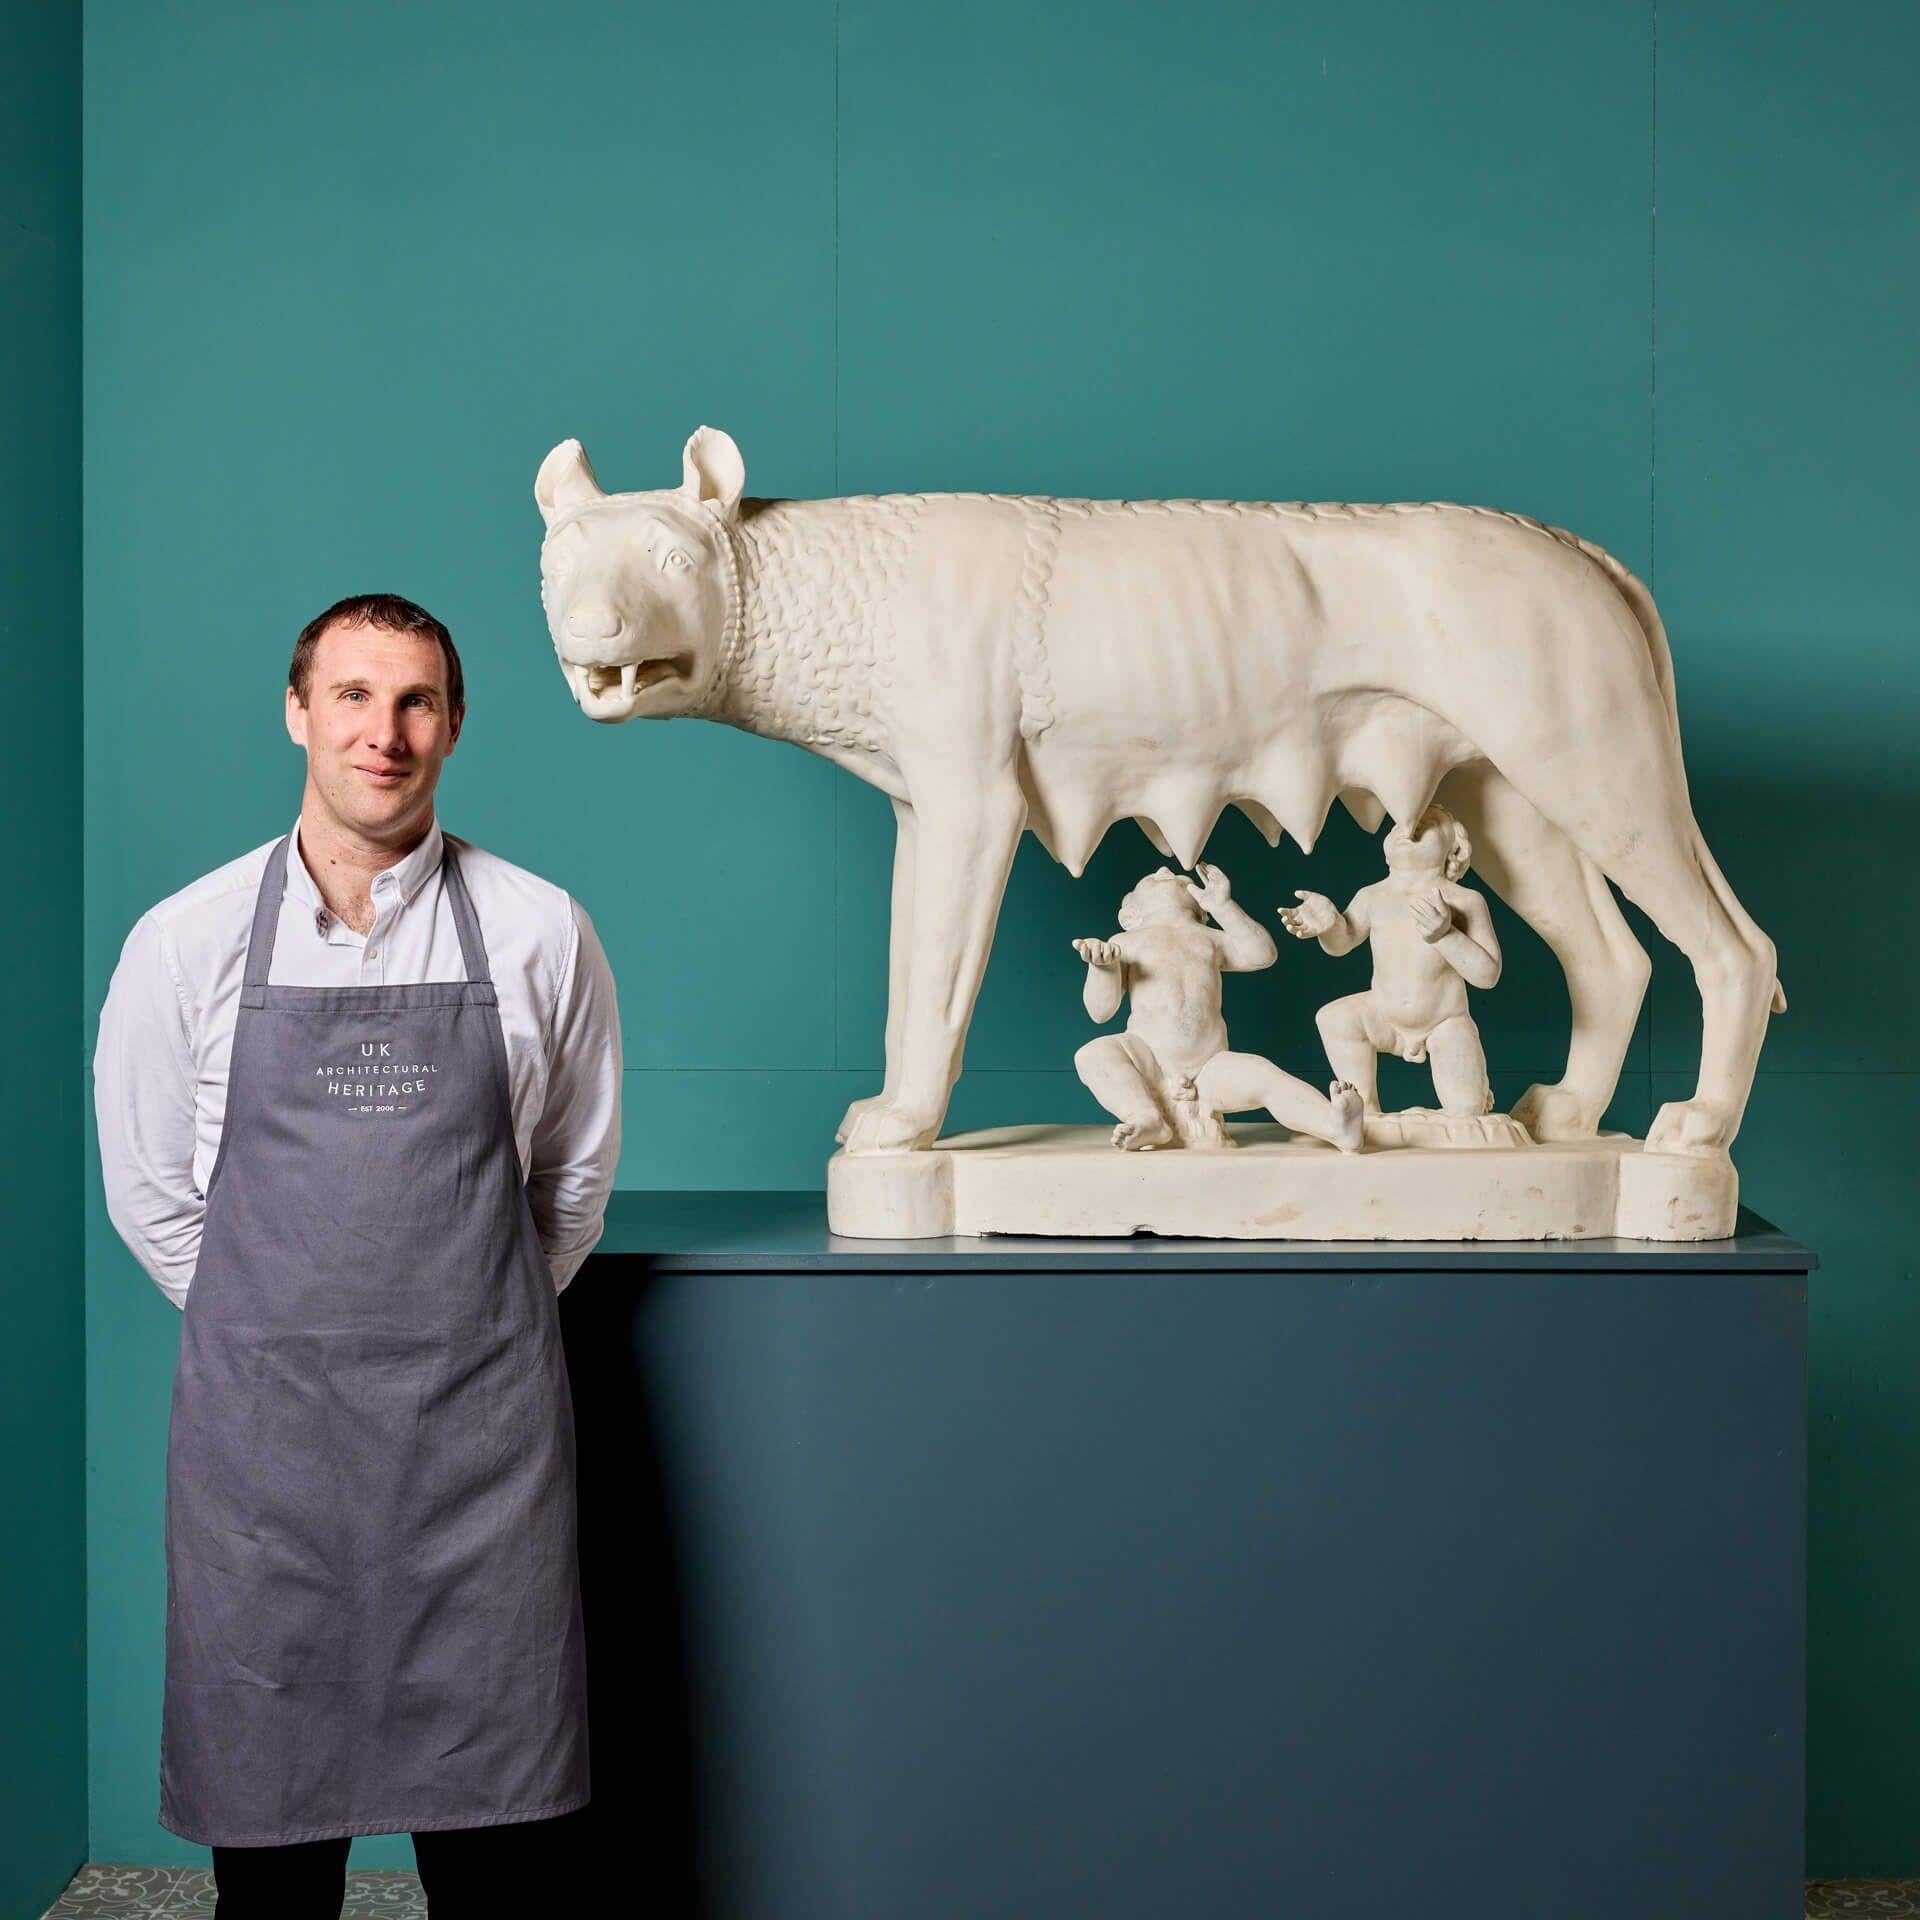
<point x="996" y="662"/>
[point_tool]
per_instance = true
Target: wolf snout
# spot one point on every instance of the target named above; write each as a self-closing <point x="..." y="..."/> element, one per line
<point x="596" y="621"/>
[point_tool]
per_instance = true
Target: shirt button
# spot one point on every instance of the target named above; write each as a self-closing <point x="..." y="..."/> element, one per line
<point x="321" y="919"/>
<point x="373" y="953"/>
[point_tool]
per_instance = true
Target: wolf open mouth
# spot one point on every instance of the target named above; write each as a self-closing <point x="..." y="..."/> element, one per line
<point x="629" y="678"/>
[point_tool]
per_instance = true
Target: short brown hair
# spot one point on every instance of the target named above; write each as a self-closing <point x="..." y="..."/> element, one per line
<point x="390" y="614"/>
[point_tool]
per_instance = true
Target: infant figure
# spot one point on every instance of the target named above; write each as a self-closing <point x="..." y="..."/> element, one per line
<point x="1170" y="1076"/>
<point x="1432" y="939"/>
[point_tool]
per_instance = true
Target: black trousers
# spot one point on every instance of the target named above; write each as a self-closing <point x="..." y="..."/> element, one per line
<point x="468" y="1873"/>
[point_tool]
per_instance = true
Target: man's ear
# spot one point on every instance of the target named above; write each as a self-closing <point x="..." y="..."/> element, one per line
<point x="565" y="481"/>
<point x="712" y="470"/>
<point x="296" y="718"/>
<point x="1461" y="858"/>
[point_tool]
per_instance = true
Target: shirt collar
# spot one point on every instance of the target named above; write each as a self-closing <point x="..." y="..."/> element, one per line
<point x="409" y="876"/>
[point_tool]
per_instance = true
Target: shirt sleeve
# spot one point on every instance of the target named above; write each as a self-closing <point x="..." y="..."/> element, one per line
<point x="576" y="1143"/>
<point x="143" y="1099"/>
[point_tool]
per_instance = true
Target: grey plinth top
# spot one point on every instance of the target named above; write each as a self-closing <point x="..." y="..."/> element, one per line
<point x="788" y="1231"/>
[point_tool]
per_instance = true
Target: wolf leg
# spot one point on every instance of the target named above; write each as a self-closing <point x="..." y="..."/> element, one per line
<point x="964" y="842"/>
<point x="1565" y="899"/>
<point x="899" y="953"/>
<point x="1620" y="796"/>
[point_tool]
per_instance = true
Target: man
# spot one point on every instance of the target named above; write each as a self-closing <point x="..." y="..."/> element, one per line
<point x="358" y="1098"/>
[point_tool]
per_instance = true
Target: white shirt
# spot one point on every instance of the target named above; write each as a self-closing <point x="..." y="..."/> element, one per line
<point x="166" y="1034"/>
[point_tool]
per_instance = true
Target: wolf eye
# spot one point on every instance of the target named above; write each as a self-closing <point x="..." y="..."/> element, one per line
<point x="677" y="560"/>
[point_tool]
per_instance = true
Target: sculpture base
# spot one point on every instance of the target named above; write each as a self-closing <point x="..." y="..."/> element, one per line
<point x="1276" y="1186"/>
<point x="1423" y="1127"/>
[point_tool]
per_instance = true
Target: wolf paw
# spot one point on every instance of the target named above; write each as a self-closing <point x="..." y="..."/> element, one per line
<point x="1557" y="1113"/>
<point x="851" y="1117"/>
<point x="885" y="1128"/>
<point x="1690" y="1126"/>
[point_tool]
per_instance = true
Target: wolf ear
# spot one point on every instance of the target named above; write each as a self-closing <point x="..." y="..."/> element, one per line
<point x="713" y="470"/>
<point x="565" y="481"/>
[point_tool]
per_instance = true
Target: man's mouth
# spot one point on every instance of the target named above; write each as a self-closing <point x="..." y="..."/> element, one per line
<point x="608" y="690"/>
<point x="385" y="776"/>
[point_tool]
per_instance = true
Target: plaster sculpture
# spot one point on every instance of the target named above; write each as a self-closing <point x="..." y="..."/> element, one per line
<point x="1432" y="938"/>
<point x="999" y="663"/>
<point x="1170" y="1076"/>
<point x="1069" y="1180"/>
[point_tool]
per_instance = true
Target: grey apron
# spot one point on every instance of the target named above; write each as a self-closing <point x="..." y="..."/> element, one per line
<point x="373" y="1609"/>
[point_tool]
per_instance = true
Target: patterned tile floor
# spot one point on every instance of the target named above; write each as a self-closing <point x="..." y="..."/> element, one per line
<point x="165" y="1893"/>
<point x="168" y="1893"/>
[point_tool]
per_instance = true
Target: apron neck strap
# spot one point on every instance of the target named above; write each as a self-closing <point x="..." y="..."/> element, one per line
<point x="473" y="949"/>
<point x="273" y="887"/>
<point x="266" y="919"/>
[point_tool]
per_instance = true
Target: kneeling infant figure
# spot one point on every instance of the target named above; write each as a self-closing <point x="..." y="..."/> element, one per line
<point x="1169" y="1077"/>
<point x="1432" y="939"/>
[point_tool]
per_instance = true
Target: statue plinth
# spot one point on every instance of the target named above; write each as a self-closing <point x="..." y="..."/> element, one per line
<point x="1275" y="1186"/>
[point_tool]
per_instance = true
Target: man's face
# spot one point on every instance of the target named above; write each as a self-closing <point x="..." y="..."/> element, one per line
<point x="376" y="727"/>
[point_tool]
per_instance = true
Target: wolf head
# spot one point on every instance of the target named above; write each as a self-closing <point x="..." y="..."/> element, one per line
<point x="639" y="587"/>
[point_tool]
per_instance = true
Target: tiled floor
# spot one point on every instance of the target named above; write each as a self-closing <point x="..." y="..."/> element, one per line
<point x="149" y="1893"/>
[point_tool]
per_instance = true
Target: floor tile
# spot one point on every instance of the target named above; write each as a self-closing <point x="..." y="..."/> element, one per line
<point x="110" y="1892"/>
<point x="1886" y="1899"/>
<point x="192" y="1891"/>
<point x="170" y="1893"/>
<point x="165" y="1893"/>
<point x="370" y="1896"/>
<point x="384" y="1896"/>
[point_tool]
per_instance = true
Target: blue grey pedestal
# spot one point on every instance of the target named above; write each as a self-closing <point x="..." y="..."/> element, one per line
<point x="1123" y="1580"/>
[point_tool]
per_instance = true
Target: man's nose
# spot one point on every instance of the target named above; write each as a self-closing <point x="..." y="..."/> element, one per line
<point x="384" y="728"/>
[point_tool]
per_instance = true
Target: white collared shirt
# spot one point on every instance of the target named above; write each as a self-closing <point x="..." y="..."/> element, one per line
<point x="166" y="1034"/>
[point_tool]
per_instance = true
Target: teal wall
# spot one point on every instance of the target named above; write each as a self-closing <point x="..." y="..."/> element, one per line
<point x="1785" y="494"/>
<point x="353" y="269"/>
<point x="43" y="1698"/>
